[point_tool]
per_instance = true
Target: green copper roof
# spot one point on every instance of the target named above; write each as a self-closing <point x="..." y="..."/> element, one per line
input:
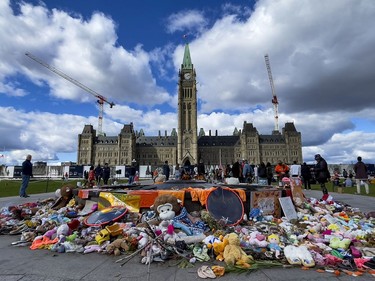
<point x="186" y="64"/>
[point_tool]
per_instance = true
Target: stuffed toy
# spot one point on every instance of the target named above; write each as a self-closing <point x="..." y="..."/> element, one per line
<point x="257" y="239"/>
<point x="116" y="246"/>
<point x="233" y="253"/>
<point x="256" y="214"/>
<point x="168" y="208"/>
<point x="119" y="245"/>
<point x="66" y="193"/>
<point x="338" y="243"/>
<point x="152" y="253"/>
<point x="273" y="245"/>
<point x="217" y="244"/>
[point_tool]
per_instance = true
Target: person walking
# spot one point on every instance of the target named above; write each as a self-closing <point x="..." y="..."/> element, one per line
<point x="106" y="173"/>
<point x="98" y="174"/>
<point x="166" y="170"/>
<point x="306" y="175"/>
<point x="321" y="174"/>
<point x="361" y="176"/>
<point x="27" y="173"/>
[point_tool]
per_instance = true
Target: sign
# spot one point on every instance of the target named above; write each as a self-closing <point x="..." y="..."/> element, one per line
<point x="297" y="193"/>
<point x="267" y="201"/>
<point x="75" y="171"/>
<point x="17" y="173"/>
<point x="288" y="208"/>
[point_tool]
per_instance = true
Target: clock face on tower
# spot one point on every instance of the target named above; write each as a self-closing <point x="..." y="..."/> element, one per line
<point x="187" y="76"/>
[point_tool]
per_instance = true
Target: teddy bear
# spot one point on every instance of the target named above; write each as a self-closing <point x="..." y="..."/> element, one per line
<point x="233" y="253"/>
<point x="116" y="246"/>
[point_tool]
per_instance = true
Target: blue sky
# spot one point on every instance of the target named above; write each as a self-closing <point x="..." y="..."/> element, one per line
<point x="321" y="55"/>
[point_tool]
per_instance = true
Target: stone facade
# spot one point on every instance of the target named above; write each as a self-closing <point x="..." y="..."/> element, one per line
<point x="184" y="145"/>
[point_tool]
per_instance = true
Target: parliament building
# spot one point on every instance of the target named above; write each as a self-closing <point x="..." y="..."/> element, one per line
<point x="187" y="146"/>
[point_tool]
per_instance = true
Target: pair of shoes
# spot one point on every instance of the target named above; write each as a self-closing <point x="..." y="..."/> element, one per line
<point x="25" y="196"/>
<point x="299" y="255"/>
<point x="206" y="272"/>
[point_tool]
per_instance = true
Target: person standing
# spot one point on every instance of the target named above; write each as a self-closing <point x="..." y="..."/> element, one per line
<point x="344" y="174"/>
<point x="236" y="169"/>
<point x="321" y="173"/>
<point x="177" y="172"/>
<point x="166" y="170"/>
<point x="201" y="168"/>
<point x="262" y="174"/>
<point x="91" y="177"/>
<point x="98" y="174"/>
<point x="106" y="173"/>
<point x="132" y="171"/>
<point x="306" y="175"/>
<point x="295" y="170"/>
<point x="361" y="176"/>
<point x="269" y="173"/>
<point x="27" y="173"/>
<point x="282" y="170"/>
<point x="247" y="172"/>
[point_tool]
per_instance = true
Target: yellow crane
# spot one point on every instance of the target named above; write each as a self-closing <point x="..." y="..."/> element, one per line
<point x="275" y="102"/>
<point x="101" y="100"/>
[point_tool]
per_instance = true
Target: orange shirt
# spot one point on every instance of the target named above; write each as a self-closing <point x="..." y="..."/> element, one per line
<point x="281" y="169"/>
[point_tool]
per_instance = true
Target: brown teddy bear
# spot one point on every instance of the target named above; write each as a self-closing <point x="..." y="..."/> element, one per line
<point x="127" y="243"/>
<point x="116" y="246"/>
<point x="233" y="253"/>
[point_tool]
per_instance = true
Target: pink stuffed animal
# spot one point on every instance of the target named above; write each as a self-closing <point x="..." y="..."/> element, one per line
<point x="258" y="239"/>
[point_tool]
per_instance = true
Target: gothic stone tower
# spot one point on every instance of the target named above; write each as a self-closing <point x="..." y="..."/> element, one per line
<point x="187" y="144"/>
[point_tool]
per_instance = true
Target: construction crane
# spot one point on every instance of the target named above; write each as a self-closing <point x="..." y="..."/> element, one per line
<point x="101" y="100"/>
<point x="274" y="97"/>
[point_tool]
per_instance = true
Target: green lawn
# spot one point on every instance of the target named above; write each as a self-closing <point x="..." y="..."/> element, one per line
<point x="347" y="190"/>
<point x="11" y="187"/>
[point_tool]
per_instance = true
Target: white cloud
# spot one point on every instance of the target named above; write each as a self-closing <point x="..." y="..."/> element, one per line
<point x="321" y="57"/>
<point x="186" y="20"/>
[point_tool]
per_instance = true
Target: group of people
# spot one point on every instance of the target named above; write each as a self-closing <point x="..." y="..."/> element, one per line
<point x="322" y="175"/>
<point x="96" y="174"/>
<point x="262" y="173"/>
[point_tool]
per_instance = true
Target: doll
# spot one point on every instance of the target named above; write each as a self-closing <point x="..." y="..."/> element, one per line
<point x="273" y="245"/>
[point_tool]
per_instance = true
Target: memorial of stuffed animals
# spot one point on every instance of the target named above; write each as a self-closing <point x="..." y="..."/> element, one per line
<point x="218" y="229"/>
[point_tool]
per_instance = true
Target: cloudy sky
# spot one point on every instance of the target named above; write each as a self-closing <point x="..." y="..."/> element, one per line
<point x="321" y="54"/>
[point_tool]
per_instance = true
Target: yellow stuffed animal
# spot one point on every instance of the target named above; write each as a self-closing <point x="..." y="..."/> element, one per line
<point x="219" y="247"/>
<point x="233" y="253"/>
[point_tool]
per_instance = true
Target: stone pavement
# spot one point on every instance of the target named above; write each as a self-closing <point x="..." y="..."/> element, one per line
<point x="21" y="263"/>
